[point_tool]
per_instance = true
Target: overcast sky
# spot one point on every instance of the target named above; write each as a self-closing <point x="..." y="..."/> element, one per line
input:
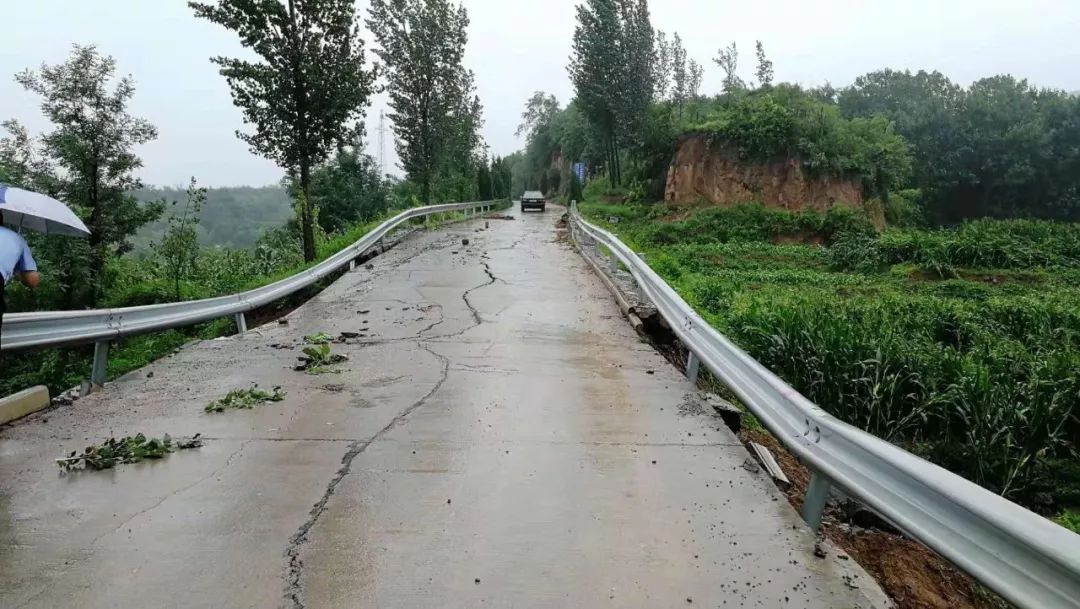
<point x="518" y="46"/>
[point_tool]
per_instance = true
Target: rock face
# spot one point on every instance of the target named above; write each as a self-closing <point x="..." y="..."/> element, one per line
<point x="700" y="173"/>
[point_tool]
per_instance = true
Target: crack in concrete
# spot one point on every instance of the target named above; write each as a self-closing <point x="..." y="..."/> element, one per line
<point x="295" y="566"/>
<point x="228" y="462"/>
<point x="442" y="318"/>
<point x="465" y="296"/>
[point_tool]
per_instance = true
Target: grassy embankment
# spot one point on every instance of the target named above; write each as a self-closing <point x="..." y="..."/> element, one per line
<point x="961" y="345"/>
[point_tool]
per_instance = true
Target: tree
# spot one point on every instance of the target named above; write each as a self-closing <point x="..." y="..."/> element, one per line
<point x="310" y="90"/>
<point x="483" y="183"/>
<point x="574" y="193"/>
<point x="595" y="72"/>
<point x="91" y="144"/>
<point x="540" y="111"/>
<point x="663" y="65"/>
<point x="612" y="67"/>
<point x="436" y="115"/>
<point x="348" y="189"/>
<point x="764" y="67"/>
<point x="696" y="74"/>
<point x="680" y="72"/>
<point x="635" y="89"/>
<point x="728" y="60"/>
<point x="179" y="247"/>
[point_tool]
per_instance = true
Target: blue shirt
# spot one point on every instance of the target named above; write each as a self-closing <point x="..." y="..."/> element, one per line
<point x="14" y="254"/>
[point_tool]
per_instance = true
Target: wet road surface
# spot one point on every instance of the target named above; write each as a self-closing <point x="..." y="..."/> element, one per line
<point x="498" y="438"/>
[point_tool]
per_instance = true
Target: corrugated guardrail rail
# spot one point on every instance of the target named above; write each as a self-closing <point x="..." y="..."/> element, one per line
<point x="99" y="326"/>
<point x="1022" y="556"/>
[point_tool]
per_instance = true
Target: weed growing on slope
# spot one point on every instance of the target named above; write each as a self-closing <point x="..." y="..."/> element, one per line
<point x="129" y="449"/>
<point x="245" y="399"/>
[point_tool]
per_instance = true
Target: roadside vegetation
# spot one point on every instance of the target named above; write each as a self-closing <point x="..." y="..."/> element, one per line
<point x="153" y="245"/>
<point x="959" y="344"/>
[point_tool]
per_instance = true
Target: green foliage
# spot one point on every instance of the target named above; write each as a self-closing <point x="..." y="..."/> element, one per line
<point x="574" y="193"/>
<point x="436" y="115"/>
<point x="988" y="244"/>
<point x="614" y="75"/>
<point x="87" y="161"/>
<point x="129" y="449"/>
<point x="319" y="360"/>
<point x="308" y="90"/>
<point x="783" y="122"/>
<point x="999" y="148"/>
<point x="179" y="248"/>
<point x="904" y="209"/>
<point x="748" y="222"/>
<point x="318" y="338"/>
<point x="978" y="372"/>
<point x="245" y="399"/>
<point x="348" y="189"/>
<point x="1070" y="519"/>
<point x="856" y="252"/>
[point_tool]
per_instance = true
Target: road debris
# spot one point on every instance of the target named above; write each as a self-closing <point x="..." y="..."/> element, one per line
<point x="129" y="449"/>
<point x="319" y="360"/>
<point x="245" y="399"/>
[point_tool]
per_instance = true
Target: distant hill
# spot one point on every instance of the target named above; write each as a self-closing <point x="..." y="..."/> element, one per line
<point x="233" y="216"/>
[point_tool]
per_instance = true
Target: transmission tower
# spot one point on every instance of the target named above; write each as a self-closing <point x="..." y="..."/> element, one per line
<point x="382" y="143"/>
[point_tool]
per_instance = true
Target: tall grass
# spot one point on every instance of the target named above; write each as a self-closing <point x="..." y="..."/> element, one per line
<point x="982" y="377"/>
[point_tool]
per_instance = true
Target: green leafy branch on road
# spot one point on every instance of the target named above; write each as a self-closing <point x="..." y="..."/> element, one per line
<point x="129" y="449"/>
<point x="245" y="399"/>
<point x="319" y="360"/>
<point x="318" y="338"/>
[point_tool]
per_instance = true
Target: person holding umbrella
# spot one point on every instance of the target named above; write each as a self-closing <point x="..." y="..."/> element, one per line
<point x="21" y="209"/>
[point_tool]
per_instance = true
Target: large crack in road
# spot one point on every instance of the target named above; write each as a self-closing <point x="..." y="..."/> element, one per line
<point x="295" y="565"/>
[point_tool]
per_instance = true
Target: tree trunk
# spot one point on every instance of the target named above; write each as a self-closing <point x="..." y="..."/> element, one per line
<point x="307" y="215"/>
<point x="97" y="236"/>
<point x="611" y="162"/>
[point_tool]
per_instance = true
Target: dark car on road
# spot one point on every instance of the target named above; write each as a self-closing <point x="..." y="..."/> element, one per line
<point x="533" y="199"/>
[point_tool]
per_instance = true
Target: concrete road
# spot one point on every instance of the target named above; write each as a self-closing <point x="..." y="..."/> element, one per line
<point x="498" y="438"/>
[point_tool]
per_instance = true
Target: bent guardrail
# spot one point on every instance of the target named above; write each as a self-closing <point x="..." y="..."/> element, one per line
<point x="99" y="326"/>
<point x="1025" y="558"/>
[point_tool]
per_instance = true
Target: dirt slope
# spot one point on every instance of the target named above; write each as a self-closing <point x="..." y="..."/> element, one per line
<point x="702" y="173"/>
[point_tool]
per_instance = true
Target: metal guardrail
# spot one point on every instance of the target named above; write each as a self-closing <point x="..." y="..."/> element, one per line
<point x="1028" y="560"/>
<point x="99" y="326"/>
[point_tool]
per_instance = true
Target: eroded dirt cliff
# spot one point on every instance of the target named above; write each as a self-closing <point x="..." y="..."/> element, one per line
<point x="703" y="173"/>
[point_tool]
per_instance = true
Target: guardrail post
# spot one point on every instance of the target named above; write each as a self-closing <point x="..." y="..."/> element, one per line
<point x="817" y="494"/>
<point x="98" y="369"/>
<point x="241" y="323"/>
<point x="352" y="264"/>
<point x="693" y="364"/>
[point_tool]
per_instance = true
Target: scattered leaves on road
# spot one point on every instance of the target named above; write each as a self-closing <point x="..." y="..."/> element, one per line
<point x="129" y="449"/>
<point x="245" y="399"/>
<point x="319" y="360"/>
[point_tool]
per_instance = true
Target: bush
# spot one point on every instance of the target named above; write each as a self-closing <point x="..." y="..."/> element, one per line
<point x="903" y="209"/>
<point x="856" y="252"/>
<point x="784" y="122"/>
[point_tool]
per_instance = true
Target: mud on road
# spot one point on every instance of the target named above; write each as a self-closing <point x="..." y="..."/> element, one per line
<point x="498" y="437"/>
